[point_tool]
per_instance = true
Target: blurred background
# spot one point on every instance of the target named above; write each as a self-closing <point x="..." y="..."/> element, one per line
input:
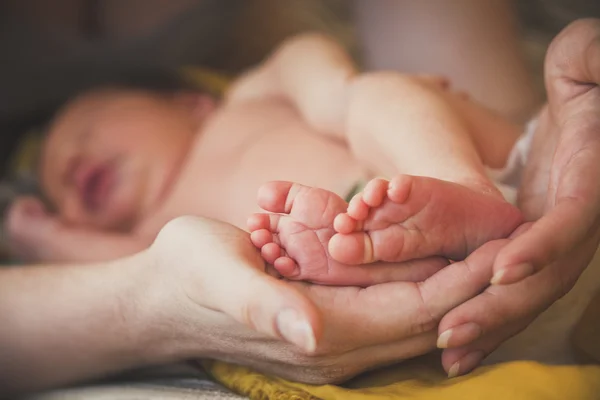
<point x="50" y="50"/>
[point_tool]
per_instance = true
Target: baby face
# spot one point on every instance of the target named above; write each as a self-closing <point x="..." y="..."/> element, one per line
<point x="111" y="155"/>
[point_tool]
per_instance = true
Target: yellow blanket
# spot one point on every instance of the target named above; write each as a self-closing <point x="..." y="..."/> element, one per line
<point x="422" y="379"/>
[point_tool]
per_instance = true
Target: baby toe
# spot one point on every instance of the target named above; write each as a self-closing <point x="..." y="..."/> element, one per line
<point x="258" y="221"/>
<point x="357" y="208"/>
<point x="261" y="237"/>
<point x="286" y="267"/>
<point x="271" y="252"/>
<point x="399" y="188"/>
<point x="343" y="223"/>
<point x="375" y="192"/>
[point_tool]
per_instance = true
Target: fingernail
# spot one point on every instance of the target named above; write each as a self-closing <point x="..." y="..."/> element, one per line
<point x="497" y="278"/>
<point x="296" y="330"/>
<point x="466" y="364"/>
<point x="444" y="338"/>
<point x="454" y="369"/>
<point x="462" y="335"/>
<point x="512" y="274"/>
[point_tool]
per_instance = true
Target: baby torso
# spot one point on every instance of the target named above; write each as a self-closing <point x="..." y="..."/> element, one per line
<point x="245" y="145"/>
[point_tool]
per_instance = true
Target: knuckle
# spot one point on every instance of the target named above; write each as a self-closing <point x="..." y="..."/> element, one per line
<point x="322" y="371"/>
<point x="425" y="319"/>
<point x="324" y="366"/>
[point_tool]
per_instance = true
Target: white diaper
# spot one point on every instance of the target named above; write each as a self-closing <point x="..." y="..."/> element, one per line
<point x="508" y="179"/>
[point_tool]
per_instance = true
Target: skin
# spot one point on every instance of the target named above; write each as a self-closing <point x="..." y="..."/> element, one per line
<point x="559" y="193"/>
<point x="276" y="117"/>
<point x="122" y="132"/>
<point x="170" y="303"/>
<point x="499" y="311"/>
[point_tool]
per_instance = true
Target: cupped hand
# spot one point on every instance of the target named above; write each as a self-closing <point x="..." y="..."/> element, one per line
<point x="561" y="184"/>
<point x="212" y="292"/>
<point x="560" y="191"/>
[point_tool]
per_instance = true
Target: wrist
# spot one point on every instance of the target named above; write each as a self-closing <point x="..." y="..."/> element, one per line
<point x="170" y="327"/>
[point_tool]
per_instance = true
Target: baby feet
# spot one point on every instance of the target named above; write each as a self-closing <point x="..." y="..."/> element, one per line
<point x="413" y="217"/>
<point x="313" y="234"/>
<point x="294" y="239"/>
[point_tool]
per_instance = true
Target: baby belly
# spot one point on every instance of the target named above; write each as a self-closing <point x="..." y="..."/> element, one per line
<point x="323" y="165"/>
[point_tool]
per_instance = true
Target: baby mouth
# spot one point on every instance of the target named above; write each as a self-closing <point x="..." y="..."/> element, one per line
<point x="95" y="183"/>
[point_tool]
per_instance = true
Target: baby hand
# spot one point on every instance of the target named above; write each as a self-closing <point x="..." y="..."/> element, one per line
<point x="29" y="227"/>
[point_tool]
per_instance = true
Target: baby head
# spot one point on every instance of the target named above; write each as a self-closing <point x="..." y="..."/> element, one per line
<point x="112" y="154"/>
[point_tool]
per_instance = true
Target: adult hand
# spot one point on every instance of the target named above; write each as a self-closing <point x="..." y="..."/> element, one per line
<point x="213" y="298"/>
<point x="561" y="188"/>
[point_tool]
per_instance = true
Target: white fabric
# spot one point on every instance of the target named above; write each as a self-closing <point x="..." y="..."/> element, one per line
<point x="508" y="179"/>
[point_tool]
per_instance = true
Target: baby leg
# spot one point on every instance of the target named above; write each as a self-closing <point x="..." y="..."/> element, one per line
<point x="412" y="217"/>
<point x="294" y="239"/>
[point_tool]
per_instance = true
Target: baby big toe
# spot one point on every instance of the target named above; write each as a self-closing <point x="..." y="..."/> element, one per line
<point x="355" y="248"/>
<point x="278" y="196"/>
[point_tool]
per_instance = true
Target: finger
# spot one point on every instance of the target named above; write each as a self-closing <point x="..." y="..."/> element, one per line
<point x="29" y="205"/>
<point x="405" y="309"/>
<point x="368" y="357"/>
<point x="366" y="275"/>
<point x="439" y="293"/>
<point x="499" y="306"/>
<point x="462" y="360"/>
<point x="572" y="220"/>
<point x="572" y="68"/>
<point x="232" y="279"/>
<point x="329" y="365"/>
<point x="273" y="307"/>
<point x="573" y="56"/>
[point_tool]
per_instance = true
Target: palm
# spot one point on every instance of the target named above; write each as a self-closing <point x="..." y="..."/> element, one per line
<point x="560" y="191"/>
<point x="560" y="184"/>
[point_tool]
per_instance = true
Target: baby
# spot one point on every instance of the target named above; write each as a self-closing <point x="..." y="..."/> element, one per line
<point x="119" y="163"/>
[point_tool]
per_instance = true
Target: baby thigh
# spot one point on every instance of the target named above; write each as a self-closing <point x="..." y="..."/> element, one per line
<point x="398" y="124"/>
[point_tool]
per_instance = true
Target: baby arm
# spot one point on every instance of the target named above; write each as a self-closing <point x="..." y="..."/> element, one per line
<point x="312" y="72"/>
<point x="35" y="235"/>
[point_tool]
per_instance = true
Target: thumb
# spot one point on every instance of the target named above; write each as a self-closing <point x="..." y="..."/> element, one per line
<point x="273" y="307"/>
<point x="573" y="57"/>
<point x="222" y="270"/>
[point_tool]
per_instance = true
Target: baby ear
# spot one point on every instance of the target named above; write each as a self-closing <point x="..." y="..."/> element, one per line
<point x="200" y="105"/>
